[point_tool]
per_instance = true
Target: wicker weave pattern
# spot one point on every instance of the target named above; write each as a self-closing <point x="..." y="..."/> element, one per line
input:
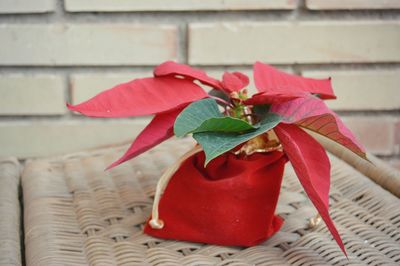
<point x="77" y="214"/>
<point x="9" y="212"/>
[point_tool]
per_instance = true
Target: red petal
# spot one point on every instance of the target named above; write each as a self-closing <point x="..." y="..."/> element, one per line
<point x="272" y="98"/>
<point x="159" y="129"/>
<point x="171" y="68"/>
<point x="272" y="80"/>
<point x="141" y="97"/>
<point x="312" y="113"/>
<point x="234" y="81"/>
<point x="312" y="167"/>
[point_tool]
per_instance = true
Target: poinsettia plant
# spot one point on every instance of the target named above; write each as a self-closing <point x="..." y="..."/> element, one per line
<point x="226" y="118"/>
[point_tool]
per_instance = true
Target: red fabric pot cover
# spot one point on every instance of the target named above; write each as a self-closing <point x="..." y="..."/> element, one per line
<point x="230" y="202"/>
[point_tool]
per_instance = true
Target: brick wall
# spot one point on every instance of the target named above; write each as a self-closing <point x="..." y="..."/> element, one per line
<point x="56" y="51"/>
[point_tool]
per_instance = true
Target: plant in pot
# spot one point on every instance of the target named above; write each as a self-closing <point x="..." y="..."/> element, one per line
<point x="224" y="191"/>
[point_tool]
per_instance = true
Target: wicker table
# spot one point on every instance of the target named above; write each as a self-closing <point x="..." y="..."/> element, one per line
<point x="77" y="214"/>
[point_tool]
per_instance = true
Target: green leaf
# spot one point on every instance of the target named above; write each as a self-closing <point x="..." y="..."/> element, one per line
<point x="219" y="94"/>
<point x="194" y="115"/>
<point x="217" y="143"/>
<point x="203" y="116"/>
<point x="224" y="124"/>
<point x="261" y="110"/>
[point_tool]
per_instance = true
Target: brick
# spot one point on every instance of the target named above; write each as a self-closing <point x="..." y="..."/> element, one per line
<point x="376" y="133"/>
<point x="363" y="90"/>
<point x="26" y="6"/>
<point x="351" y="4"/>
<point x="175" y="5"/>
<point x="85" y="86"/>
<point x="397" y="137"/>
<point x="287" y="43"/>
<point x="31" y="95"/>
<point x="31" y="139"/>
<point x="87" y="44"/>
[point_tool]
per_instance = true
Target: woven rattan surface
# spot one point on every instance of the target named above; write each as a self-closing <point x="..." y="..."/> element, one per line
<point x="10" y="253"/>
<point x="77" y="214"/>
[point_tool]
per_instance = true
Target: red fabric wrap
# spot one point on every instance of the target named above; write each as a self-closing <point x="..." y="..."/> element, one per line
<point x="230" y="202"/>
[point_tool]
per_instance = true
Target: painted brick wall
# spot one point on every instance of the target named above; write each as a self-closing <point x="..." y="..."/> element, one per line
<point x="53" y="51"/>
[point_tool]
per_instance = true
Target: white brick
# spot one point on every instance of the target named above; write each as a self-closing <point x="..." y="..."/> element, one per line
<point x="87" y="44"/>
<point x="397" y="137"/>
<point x="376" y="133"/>
<point x="287" y="43"/>
<point x="85" y="86"/>
<point x="175" y="5"/>
<point x="26" y="6"/>
<point x="352" y="4"/>
<point x="31" y="95"/>
<point x="52" y="138"/>
<point x="363" y="90"/>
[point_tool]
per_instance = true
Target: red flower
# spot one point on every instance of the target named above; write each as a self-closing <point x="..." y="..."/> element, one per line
<point x="276" y="86"/>
<point x="291" y="97"/>
<point x="165" y="97"/>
